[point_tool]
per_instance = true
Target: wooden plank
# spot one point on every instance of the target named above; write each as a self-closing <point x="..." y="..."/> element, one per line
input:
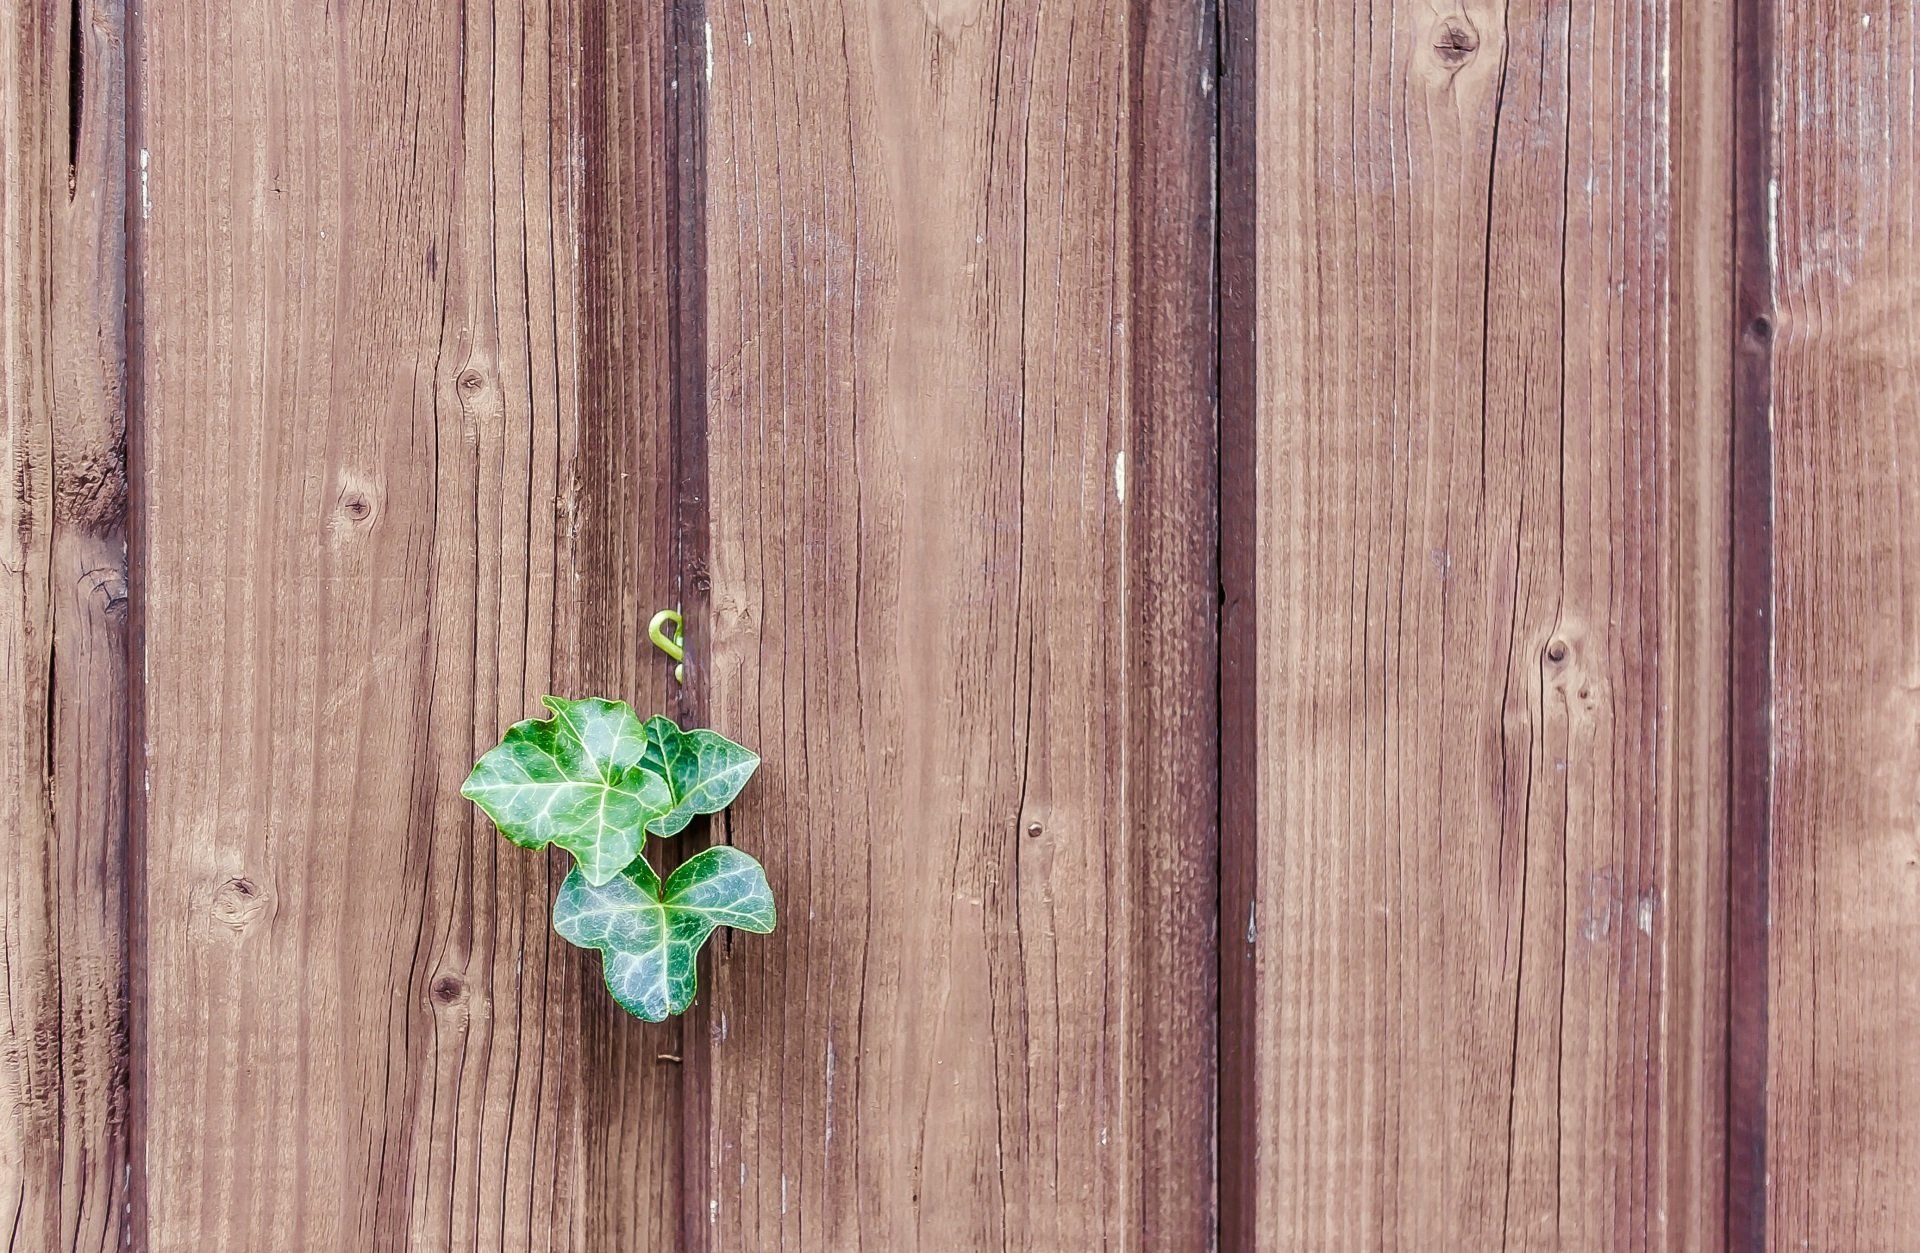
<point x="627" y="505"/>
<point x="63" y="628"/>
<point x="1750" y="644"/>
<point x="29" y="1147"/>
<point x="379" y="524"/>
<point x="1171" y="798"/>
<point x="1237" y="1147"/>
<point x="1692" y="1124"/>
<point x="1481" y="986"/>
<point x="921" y="303"/>
<point x="688" y="34"/>
<point x="1844" y="247"/>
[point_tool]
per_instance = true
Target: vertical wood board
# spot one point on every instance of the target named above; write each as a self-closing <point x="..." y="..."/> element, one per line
<point x="623" y="497"/>
<point x="921" y="293"/>
<point x="1484" y="1001"/>
<point x="368" y="499"/>
<point x="63" y="628"/>
<point x="1844" y="390"/>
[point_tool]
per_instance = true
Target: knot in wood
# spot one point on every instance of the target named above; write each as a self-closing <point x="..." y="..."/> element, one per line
<point x="109" y="583"/>
<point x="1455" y="41"/>
<point x="238" y="903"/>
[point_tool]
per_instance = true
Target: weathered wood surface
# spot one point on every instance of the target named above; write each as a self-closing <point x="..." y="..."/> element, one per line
<point x="63" y="624"/>
<point x="1843" y="1114"/>
<point x="1416" y="752"/>
<point x="1490" y="626"/>
<point x="1171" y="799"/>
<point x="1750" y="631"/>
<point x="625" y="508"/>
<point x="922" y="286"/>
<point x="377" y="528"/>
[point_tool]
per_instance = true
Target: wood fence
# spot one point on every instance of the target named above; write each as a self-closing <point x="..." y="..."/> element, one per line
<point x="1325" y="590"/>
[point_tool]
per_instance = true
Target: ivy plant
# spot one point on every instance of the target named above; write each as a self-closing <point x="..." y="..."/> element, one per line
<point x="649" y="934"/>
<point x="704" y="771"/>
<point x="594" y="780"/>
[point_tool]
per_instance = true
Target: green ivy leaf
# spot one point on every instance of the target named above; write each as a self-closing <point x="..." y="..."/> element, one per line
<point x="704" y="769"/>
<point x="649" y="936"/>
<point x="576" y="780"/>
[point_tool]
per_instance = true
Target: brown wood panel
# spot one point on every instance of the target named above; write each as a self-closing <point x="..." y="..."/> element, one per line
<point x="1238" y="326"/>
<point x="1171" y="800"/>
<point x="1489" y="607"/>
<point x="63" y="626"/>
<point x="626" y="506"/>
<point x="382" y="514"/>
<point x="923" y="285"/>
<point x="1750" y="643"/>
<point x="1843" y="1145"/>
<point x="1691" y="1125"/>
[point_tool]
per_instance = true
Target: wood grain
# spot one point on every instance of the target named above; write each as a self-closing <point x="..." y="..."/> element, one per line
<point x="63" y="628"/>
<point x="1750" y="728"/>
<point x="1171" y="629"/>
<point x="370" y="503"/>
<point x="626" y="507"/>
<point x="1322" y="589"/>
<point x="1483" y="492"/>
<point x="1236" y="1153"/>
<point x="1690" y="1129"/>
<point x="921" y="292"/>
<point x="1843" y="253"/>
